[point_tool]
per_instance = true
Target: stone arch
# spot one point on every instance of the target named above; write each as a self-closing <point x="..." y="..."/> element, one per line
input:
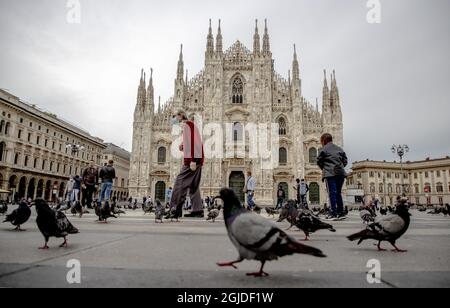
<point x="2" y="151"/>
<point x="31" y="188"/>
<point x="40" y="189"/>
<point x="22" y="190"/>
<point x="160" y="191"/>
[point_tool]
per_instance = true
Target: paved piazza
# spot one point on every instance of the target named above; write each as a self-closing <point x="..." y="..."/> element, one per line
<point x="133" y="251"/>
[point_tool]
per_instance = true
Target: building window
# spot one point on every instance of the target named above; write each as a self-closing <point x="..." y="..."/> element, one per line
<point x="283" y="156"/>
<point x="415" y="175"/>
<point x="426" y="174"/>
<point x="16" y="159"/>
<point x="417" y="188"/>
<point x="380" y="188"/>
<point x="237" y="91"/>
<point x="162" y="153"/>
<point x="35" y="163"/>
<point x="389" y="175"/>
<point x="372" y="188"/>
<point x="26" y="161"/>
<point x="282" y="127"/>
<point x="2" y="125"/>
<point x="439" y="188"/>
<point x="398" y="189"/>
<point x="313" y="157"/>
<point x="43" y="164"/>
<point x="371" y="174"/>
<point x="438" y="174"/>
<point x="417" y="200"/>
<point x="238" y="132"/>
<point x="427" y="188"/>
<point x="2" y="151"/>
<point x="390" y="189"/>
<point x="19" y="134"/>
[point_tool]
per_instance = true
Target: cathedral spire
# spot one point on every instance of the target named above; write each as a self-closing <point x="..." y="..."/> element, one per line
<point x="295" y="66"/>
<point x="187" y="77"/>
<point x="256" y="41"/>
<point x="150" y="90"/>
<point x="141" y="93"/>
<point x="325" y="94"/>
<point x="219" y="40"/>
<point x="210" y="41"/>
<point x="180" y="69"/>
<point x="159" y="104"/>
<point x="266" y="41"/>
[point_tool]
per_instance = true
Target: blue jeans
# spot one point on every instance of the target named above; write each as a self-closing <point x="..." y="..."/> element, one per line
<point x="250" y="202"/>
<point x="335" y="193"/>
<point x="105" y="192"/>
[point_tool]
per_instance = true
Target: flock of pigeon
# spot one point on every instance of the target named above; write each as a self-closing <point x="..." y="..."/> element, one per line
<point x="255" y="237"/>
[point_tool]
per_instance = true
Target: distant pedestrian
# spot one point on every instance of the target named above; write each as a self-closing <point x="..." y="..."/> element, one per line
<point x="169" y="195"/>
<point x="281" y="196"/>
<point x="89" y="182"/>
<point x="250" y="190"/>
<point x="107" y="175"/>
<point x="333" y="160"/>
<point x="303" y="192"/>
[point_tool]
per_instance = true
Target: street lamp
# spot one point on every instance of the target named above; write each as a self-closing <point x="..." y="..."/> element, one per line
<point x="401" y="150"/>
<point x="74" y="150"/>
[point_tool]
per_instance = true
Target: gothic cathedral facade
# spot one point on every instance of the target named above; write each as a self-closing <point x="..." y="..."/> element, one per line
<point x="236" y="86"/>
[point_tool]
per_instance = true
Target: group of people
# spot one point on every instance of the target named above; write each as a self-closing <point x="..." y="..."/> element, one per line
<point x="91" y="181"/>
<point x="332" y="160"/>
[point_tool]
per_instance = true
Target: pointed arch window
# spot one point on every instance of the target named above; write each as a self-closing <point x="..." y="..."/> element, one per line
<point x="237" y="92"/>
<point x="282" y="127"/>
<point x="162" y="155"/>
<point x="283" y="156"/>
<point x="238" y="132"/>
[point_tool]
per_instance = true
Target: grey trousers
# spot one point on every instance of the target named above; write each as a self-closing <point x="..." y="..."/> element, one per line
<point x="187" y="180"/>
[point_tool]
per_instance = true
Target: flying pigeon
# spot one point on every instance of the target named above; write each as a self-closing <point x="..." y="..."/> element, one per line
<point x="52" y="223"/>
<point x="19" y="216"/>
<point x="257" y="238"/>
<point x="159" y="211"/>
<point x="3" y="208"/>
<point x="212" y="215"/>
<point x="389" y="228"/>
<point x="309" y="223"/>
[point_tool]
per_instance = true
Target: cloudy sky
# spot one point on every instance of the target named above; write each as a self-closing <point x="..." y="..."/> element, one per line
<point x="394" y="77"/>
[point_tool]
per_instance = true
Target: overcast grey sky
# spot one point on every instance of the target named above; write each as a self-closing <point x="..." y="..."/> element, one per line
<point x="394" y="77"/>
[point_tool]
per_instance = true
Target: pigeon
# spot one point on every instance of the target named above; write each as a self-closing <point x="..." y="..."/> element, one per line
<point x="159" y="212"/>
<point x="389" y="228"/>
<point x="52" y="223"/>
<point x="212" y="215"/>
<point x="447" y="206"/>
<point x="77" y="209"/>
<point x="19" y="216"/>
<point x="383" y="211"/>
<point x="367" y="215"/>
<point x="271" y="211"/>
<point x="3" y="208"/>
<point x="421" y="208"/>
<point x="309" y="223"/>
<point x="147" y="209"/>
<point x="104" y="213"/>
<point x="290" y="213"/>
<point x="257" y="238"/>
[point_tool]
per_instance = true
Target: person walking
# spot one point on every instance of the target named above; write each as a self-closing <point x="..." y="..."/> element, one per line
<point x="191" y="172"/>
<point x="303" y="192"/>
<point x="281" y="196"/>
<point x="169" y="195"/>
<point x="89" y="182"/>
<point x="333" y="160"/>
<point x="107" y="175"/>
<point x="68" y="190"/>
<point x="250" y="190"/>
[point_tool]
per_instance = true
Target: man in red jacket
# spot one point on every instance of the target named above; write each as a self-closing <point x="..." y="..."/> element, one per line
<point x="191" y="173"/>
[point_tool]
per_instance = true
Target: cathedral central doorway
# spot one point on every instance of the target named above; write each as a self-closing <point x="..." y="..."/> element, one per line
<point x="237" y="183"/>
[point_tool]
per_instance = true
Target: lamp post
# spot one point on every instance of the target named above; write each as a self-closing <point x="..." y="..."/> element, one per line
<point x="401" y="150"/>
<point x="74" y="150"/>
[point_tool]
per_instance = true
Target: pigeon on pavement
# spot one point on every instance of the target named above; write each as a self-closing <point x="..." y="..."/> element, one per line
<point x="3" y="208"/>
<point x="257" y="238"/>
<point x="367" y="215"/>
<point x="104" y="213"/>
<point x="309" y="223"/>
<point x="388" y="228"/>
<point x="271" y="211"/>
<point x="20" y="215"/>
<point x="290" y="213"/>
<point x="52" y="223"/>
<point x="159" y="211"/>
<point x="212" y="215"/>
